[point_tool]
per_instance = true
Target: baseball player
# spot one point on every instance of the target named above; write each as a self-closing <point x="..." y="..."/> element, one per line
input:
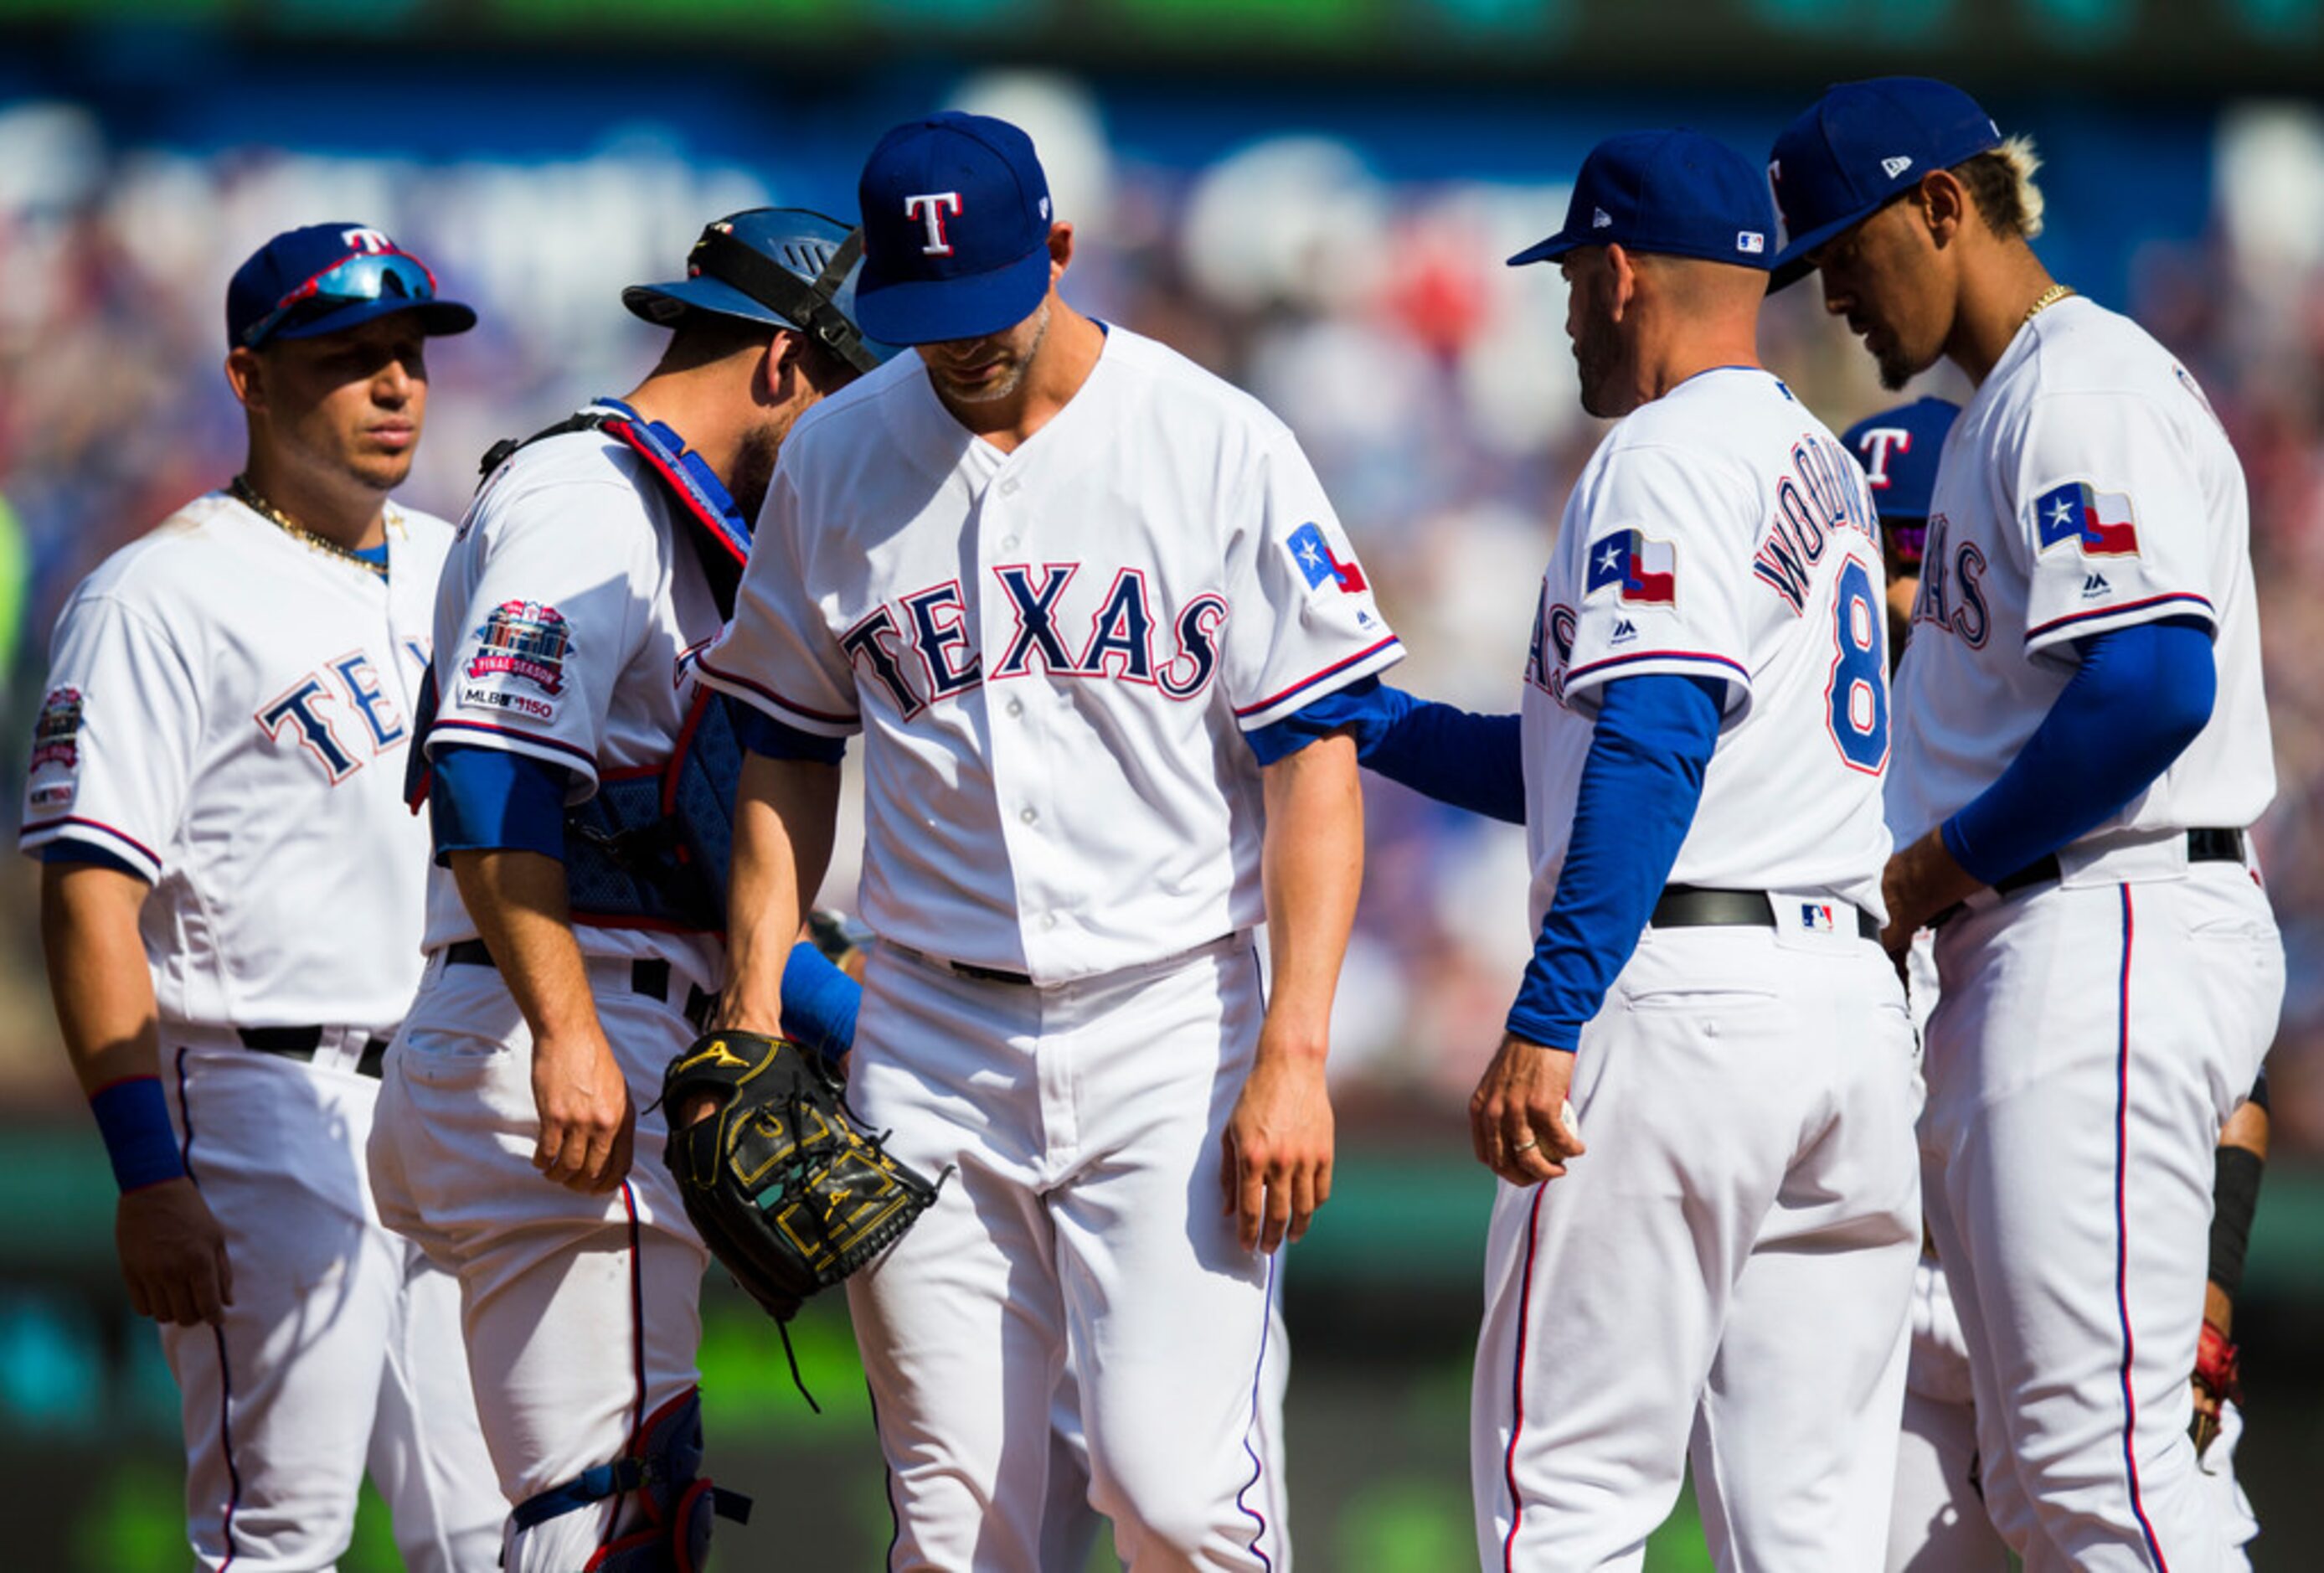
<point x="580" y="786"/>
<point x="2080" y="743"/>
<point x="230" y="904"/>
<point x="1073" y="592"/>
<point x="1938" y="1523"/>
<point x="1723" y="1270"/>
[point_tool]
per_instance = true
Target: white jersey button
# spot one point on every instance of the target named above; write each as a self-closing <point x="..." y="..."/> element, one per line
<point x="1030" y="815"/>
<point x="1008" y="486"/>
<point x="1016" y="708"/>
<point x="1049" y="919"/>
<point x="1008" y="543"/>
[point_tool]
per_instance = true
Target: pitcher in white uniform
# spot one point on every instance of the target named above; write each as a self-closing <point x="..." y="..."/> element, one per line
<point x="2081" y="743"/>
<point x="231" y="907"/>
<point x="1073" y="592"/>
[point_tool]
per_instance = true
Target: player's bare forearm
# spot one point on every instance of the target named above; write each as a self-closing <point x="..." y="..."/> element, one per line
<point x="1276" y="1160"/>
<point x="1311" y="861"/>
<point x="1920" y="881"/>
<point x="172" y="1251"/>
<point x="98" y="975"/>
<point x="785" y="811"/>
<point x="518" y="902"/>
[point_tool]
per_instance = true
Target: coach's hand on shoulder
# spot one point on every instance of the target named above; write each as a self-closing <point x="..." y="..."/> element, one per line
<point x="1275" y="1160"/>
<point x="173" y="1254"/>
<point x="587" y="1122"/>
<point x="1522" y="1128"/>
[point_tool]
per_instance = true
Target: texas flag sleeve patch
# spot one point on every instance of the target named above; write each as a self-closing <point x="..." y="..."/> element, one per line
<point x="2100" y="522"/>
<point x="1319" y="564"/>
<point x="1642" y="572"/>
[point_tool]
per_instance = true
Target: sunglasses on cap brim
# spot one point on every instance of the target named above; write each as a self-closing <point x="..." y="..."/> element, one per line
<point x="356" y="280"/>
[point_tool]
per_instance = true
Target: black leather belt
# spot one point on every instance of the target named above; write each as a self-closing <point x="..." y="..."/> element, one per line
<point x="300" y="1044"/>
<point x="649" y="975"/>
<point x="1693" y="906"/>
<point x="2205" y="846"/>
<point x="2209" y="845"/>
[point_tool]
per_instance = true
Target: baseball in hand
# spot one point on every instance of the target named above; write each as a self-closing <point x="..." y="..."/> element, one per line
<point x="1565" y="1117"/>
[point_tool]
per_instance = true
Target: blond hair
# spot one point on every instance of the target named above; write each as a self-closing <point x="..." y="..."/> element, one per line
<point x="2001" y="184"/>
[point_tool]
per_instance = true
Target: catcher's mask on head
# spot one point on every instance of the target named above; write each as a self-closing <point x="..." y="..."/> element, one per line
<point x="785" y="267"/>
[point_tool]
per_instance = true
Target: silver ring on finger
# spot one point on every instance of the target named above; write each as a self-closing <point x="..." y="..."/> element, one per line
<point x="1526" y="1146"/>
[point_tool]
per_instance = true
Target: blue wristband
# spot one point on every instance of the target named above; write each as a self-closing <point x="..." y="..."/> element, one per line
<point x="819" y="1002"/>
<point x="134" y="1118"/>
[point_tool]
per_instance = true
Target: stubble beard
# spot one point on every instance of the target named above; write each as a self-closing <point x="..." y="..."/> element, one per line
<point x="1012" y="376"/>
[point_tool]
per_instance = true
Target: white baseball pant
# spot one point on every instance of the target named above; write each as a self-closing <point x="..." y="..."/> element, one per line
<point x="1937" y="1523"/>
<point x="1081" y="1125"/>
<point x="2090" y="1039"/>
<point x="1723" y="1273"/>
<point x="581" y="1313"/>
<point x="334" y="1358"/>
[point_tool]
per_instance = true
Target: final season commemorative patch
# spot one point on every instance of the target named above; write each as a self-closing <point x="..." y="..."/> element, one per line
<point x="524" y="640"/>
<point x="56" y="735"/>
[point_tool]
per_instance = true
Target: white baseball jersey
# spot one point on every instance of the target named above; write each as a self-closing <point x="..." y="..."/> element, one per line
<point x="570" y="594"/>
<point x="227" y="713"/>
<point x="2087" y="487"/>
<point x="1051" y="652"/>
<point x="1722" y="532"/>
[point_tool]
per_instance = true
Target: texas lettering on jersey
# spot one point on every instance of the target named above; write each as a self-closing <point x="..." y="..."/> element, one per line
<point x="919" y="648"/>
<point x="340" y="713"/>
<point x="1951" y="596"/>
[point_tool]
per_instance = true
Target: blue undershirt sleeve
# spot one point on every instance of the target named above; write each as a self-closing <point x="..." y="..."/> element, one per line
<point x="819" y="1002"/>
<point x="762" y="733"/>
<point x="2138" y="697"/>
<point x="1641" y="783"/>
<point x="65" y="849"/>
<point x="487" y="800"/>
<point x="1470" y="761"/>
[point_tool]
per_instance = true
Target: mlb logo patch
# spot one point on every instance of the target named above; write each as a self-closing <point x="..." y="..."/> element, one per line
<point x="1750" y="242"/>
<point x="2101" y="523"/>
<point x="1642" y="572"/>
<point x="1319" y="565"/>
<point x="523" y="639"/>
<point x="1817" y="917"/>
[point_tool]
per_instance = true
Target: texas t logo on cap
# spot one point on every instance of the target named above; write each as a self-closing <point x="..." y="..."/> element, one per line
<point x="956" y="230"/>
<point x="931" y="206"/>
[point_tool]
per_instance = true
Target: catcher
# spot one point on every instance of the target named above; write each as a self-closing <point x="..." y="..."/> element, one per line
<point x="579" y="799"/>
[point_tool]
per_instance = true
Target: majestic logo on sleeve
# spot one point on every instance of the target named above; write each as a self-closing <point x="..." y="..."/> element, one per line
<point x="524" y="640"/>
<point x="56" y="735"/>
<point x="2102" y="522"/>
<point x="1319" y="565"/>
<point x="1641" y="572"/>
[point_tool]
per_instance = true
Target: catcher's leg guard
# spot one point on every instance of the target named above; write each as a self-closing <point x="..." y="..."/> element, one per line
<point x="676" y="1499"/>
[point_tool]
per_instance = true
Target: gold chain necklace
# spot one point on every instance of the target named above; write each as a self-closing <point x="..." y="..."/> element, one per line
<point x="250" y="497"/>
<point x="2043" y="302"/>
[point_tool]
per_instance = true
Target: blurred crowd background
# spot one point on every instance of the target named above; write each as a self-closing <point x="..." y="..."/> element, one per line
<point x="1314" y="199"/>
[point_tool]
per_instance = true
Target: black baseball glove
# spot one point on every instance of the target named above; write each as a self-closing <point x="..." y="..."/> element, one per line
<point x="785" y="1190"/>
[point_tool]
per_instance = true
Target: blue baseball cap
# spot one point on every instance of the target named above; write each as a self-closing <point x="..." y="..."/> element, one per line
<point x="1899" y="450"/>
<point x="1859" y="145"/>
<point x="327" y="278"/>
<point x="956" y="230"/>
<point x="785" y="267"/>
<point x="1676" y="193"/>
